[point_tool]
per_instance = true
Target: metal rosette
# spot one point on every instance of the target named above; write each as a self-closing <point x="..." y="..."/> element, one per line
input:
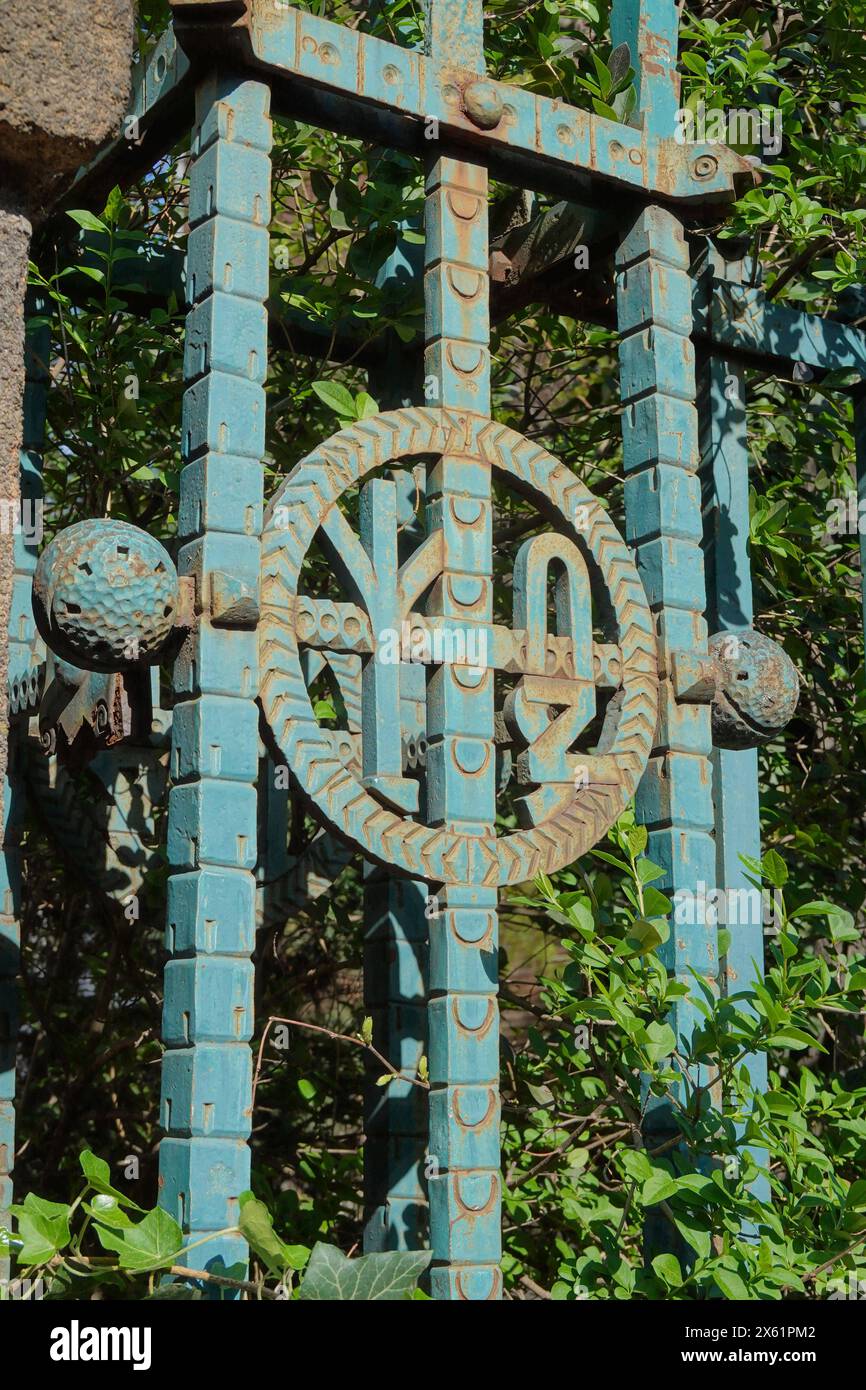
<point x="582" y="814"/>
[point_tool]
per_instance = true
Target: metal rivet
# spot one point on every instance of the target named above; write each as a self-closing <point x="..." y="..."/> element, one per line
<point x="705" y="167"/>
<point x="482" y="103"/>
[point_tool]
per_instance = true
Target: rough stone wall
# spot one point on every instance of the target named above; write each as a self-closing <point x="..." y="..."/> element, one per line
<point x="65" y="72"/>
<point x="14" y="247"/>
<point x="64" y="84"/>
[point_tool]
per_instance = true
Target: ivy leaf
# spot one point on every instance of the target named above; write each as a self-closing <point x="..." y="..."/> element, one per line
<point x="98" y="1174"/>
<point x="154" y="1243"/>
<point x="105" y="1209"/>
<point x="43" y="1229"/>
<point x="388" y="1276"/>
<point x="257" y="1228"/>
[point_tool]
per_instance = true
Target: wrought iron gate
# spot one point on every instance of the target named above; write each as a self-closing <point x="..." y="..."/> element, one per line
<point x="653" y="630"/>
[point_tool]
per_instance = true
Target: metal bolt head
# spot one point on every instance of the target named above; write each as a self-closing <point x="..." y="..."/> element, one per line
<point x="705" y="166"/>
<point x="482" y="104"/>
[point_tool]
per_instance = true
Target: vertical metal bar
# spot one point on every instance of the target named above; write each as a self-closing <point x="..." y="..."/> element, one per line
<point x="663" y="523"/>
<point x="464" y="1190"/>
<point x="23" y="647"/>
<point x="860" y="459"/>
<point x="208" y="1012"/>
<point x="395" y="1121"/>
<point x="650" y="28"/>
<point x="396" y="930"/>
<point x="725" y="467"/>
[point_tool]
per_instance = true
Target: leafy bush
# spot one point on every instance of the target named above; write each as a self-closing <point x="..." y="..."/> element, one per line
<point x="750" y="1195"/>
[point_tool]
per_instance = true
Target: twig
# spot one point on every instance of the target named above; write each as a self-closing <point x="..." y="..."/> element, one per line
<point x="336" y="1037"/>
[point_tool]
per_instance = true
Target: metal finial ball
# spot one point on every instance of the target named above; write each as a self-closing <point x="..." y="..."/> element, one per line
<point x="105" y="596"/>
<point x="757" y="692"/>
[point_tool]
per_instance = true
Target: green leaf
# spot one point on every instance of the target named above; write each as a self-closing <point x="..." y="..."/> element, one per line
<point x="662" y="1041"/>
<point x="542" y="1095"/>
<point x="336" y="397"/>
<point x="774" y="869"/>
<point x="43" y="1229"/>
<point x="391" y="1275"/>
<point x="648" y="872"/>
<point x="365" y="406"/>
<point x="658" y="1187"/>
<point x="98" y="1174"/>
<point x="611" y="859"/>
<point x="644" y="935"/>
<point x="695" y="1231"/>
<point x="636" y="839"/>
<point x="106" y="1209"/>
<point x="794" y="1038"/>
<point x="154" y="1243"/>
<point x="306" y="1088"/>
<point x="730" y="1284"/>
<point x="667" y="1267"/>
<point x="86" y="220"/>
<point x="114" y="205"/>
<point x="257" y="1228"/>
<point x="92" y="272"/>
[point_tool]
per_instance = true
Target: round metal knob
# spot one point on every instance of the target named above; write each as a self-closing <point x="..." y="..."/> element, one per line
<point x="105" y="596"/>
<point x="482" y="104"/>
<point x="757" y="688"/>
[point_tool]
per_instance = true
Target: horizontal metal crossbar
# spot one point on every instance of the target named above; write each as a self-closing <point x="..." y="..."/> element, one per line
<point x="325" y="73"/>
<point x="745" y="320"/>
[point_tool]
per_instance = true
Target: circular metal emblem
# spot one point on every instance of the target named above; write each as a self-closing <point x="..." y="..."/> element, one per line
<point x="573" y="795"/>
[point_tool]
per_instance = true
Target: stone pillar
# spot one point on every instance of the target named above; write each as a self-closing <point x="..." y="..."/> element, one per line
<point x="65" y="73"/>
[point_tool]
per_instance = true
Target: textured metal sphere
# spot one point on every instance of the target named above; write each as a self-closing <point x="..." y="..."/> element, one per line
<point x="757" y="692"/>
<point x="483" y="105"/>
<point x="105" y="596"/>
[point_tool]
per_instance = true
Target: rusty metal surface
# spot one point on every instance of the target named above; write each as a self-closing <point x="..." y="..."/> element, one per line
<point x="351" y="81"/>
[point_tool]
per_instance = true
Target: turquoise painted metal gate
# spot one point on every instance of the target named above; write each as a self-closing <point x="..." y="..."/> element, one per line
<point x="653" y="684"/>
